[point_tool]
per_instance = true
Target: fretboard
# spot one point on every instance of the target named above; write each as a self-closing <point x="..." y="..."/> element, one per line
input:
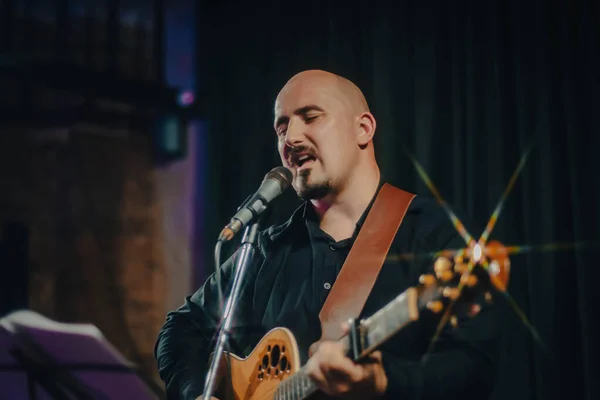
<point x="374" y="331"/>
<point x="299" y="386"/>
<point x="390" y="319"/>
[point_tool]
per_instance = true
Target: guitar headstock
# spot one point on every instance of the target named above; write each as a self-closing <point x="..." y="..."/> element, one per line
<point x="452" y="284"/>
<point x="452" y="290"/>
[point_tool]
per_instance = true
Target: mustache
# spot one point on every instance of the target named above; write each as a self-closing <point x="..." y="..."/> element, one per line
<point x="294" y="153"/>
<point x="301" y="150"/>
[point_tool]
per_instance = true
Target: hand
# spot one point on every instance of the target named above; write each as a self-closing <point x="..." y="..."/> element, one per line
<point x="211" y="398"/>
<point x="337" y="375"/>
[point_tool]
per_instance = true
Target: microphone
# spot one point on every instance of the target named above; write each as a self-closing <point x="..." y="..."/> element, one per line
<point x="274" y="184"/>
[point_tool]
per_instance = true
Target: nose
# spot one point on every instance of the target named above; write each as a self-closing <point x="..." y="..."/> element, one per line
<point x="294" y="135"/>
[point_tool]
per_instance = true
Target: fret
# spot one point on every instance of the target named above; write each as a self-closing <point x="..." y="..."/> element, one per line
<point x="387" y="321"/>
<point x="296" y="387"/>
<point x="298" y="383"/>
<point x="295" y="392"/>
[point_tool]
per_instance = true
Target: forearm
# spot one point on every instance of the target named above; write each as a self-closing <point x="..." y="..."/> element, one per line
<point x="182" y="351"/>
<point x="187" y="338"/>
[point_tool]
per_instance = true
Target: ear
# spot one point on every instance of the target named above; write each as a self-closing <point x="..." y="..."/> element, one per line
<point x="366" y="128"/>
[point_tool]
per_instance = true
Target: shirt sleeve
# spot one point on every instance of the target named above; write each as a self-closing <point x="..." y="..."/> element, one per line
<point x="188" y="336"/>
<point x="462" y="362"/>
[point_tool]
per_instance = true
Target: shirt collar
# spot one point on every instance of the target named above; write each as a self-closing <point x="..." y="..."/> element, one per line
<point x="305" y="213"/>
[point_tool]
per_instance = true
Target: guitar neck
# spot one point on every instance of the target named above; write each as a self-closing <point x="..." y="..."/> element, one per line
<point x="296" y="387"/>
<point x="378" y="328"/>
<point x="372" y="333"/>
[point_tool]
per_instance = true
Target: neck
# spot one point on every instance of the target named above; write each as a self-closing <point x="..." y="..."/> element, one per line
<point x="340" y="212"/>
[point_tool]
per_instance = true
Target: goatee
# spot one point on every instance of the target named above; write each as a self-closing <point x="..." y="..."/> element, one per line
<point x="312" y="192"/>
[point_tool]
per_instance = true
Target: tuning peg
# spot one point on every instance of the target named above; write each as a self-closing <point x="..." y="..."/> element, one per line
<point x="469" y="280"/>
<point x="435" y="306"/>
<point x="459" y="259"/>
<point x="451" y="293"/>
<point x="427" y="280"/>
<point x="441" y="264"/>
<point x="453" y="321"/>
<point x="488" y="297"/>
<point x="460" y="268"/>
<point x="443" y="269"/>
<point x="445" y="276"/>
<point x="475" y="308"/>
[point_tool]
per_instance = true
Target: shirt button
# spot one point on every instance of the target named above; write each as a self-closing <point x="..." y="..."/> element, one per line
<point x="327" y="285"/>
<point x="331" y="247"/>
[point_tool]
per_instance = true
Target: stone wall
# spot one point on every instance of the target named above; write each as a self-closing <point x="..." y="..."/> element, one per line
<point x="95" y="221"/>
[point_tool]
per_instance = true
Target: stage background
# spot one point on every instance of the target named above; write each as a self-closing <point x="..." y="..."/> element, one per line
<point x="97" y="227"/>
<point x="466" y="86"/>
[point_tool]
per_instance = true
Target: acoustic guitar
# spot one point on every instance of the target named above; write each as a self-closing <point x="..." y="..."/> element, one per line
<point x="273" y="371"/>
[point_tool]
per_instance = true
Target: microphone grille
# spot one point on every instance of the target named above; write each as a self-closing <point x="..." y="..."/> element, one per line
<point x="283" y="175"/>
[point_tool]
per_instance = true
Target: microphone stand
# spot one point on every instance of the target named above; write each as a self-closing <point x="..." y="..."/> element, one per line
<point x="246" y="254"/>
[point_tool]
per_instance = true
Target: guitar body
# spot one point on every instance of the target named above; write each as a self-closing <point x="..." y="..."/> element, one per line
<point x="257" y="376"/>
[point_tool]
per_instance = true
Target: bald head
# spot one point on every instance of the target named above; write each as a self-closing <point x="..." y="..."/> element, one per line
<point x="325" y="131"/>
<point x="341" y="88"/>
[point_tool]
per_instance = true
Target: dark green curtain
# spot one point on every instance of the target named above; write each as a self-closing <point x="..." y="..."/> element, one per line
<point x="466" y="86"/>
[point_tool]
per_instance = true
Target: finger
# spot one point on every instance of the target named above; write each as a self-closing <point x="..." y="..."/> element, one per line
<point x="345" y="328"/>
<point x="329" y="381"/>
<point x="334" y="363"/>
<point x="345" y="369"/>
<point x="316" y="374"/>
<point x="374" y="357"/>
<point x="313" y="348"/>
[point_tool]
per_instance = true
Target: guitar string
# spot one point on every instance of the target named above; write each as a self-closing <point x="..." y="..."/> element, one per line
<point x="273" y="390"/>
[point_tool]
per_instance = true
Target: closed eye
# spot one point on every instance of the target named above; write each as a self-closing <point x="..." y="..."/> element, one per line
<point x="281" y="130"/>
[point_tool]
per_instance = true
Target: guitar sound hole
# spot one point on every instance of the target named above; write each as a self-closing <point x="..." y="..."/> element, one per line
<point x="265" y="362"/>
<point x="275" y="356"/>
<point x="283" y="364"/>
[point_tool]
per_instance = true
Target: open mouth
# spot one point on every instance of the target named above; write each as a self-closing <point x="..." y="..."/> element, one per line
<point x="305" y="160"/>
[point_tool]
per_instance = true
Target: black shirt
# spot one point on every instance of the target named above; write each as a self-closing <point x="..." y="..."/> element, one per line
<point x="286" y="286"/>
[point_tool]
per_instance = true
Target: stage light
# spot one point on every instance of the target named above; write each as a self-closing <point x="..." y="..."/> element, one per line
<point x="186" y="98"/>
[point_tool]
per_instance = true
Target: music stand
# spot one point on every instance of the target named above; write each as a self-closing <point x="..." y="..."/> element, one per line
<point x="41" y="359"/>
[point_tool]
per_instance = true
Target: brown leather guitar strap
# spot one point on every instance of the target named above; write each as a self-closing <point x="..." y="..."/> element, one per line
<point x="360" y="270"/>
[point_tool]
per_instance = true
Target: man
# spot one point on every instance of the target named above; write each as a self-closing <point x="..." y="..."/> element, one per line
<point x="325" y="137"/>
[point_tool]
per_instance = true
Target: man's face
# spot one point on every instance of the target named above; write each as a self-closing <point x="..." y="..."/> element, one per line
<point x="314" y="126"/>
